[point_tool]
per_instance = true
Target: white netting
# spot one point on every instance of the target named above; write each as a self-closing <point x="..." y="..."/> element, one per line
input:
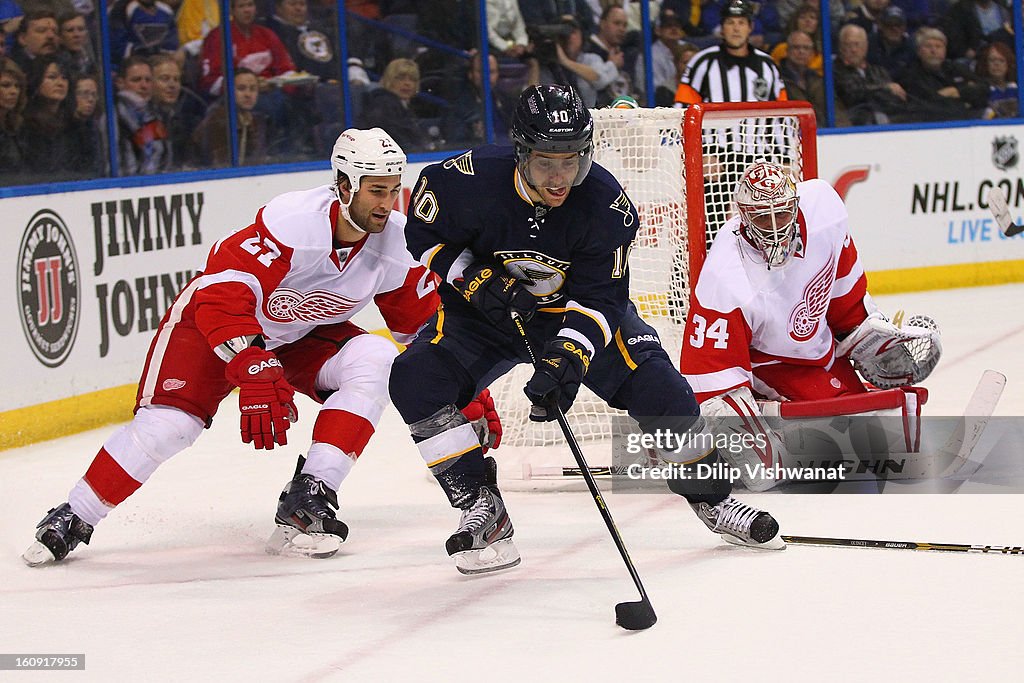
<point x="645" y="151"/>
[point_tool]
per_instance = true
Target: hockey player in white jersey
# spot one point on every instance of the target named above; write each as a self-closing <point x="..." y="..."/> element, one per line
<point x="271" y="314"/>
<point x="780" y="312"/>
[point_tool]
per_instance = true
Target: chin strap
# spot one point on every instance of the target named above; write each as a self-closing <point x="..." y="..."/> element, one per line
<point x="347" y="217"/>
<point x="343" y="208"/>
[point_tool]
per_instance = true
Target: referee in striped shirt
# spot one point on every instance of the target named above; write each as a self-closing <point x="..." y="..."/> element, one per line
<point x="733" y="71"/>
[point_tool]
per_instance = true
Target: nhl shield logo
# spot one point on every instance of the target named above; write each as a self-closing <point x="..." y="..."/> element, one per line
<point x="1004" y="153"/>
<point x="761" y="91"/>
<point x="48" y="288"/>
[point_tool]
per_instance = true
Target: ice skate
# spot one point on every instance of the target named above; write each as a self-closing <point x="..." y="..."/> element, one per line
<point x="741" y="524"/>
<point x="306" y="523"/>
<point x="58" y="534"/>
<point x="483" y="541"/>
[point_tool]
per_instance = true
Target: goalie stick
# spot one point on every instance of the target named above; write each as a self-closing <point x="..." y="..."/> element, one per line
<point x="904" y="545"/>
<point x="997" y="205"/>
<point x="956" y="450"/>
<point x="979" y="409"/>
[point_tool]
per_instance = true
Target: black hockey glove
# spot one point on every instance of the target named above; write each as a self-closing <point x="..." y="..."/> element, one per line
<point x="496" y="294"/>
<point x="556" y="378"/>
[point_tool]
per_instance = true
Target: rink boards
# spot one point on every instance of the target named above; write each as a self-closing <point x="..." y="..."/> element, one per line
<point x="96" y="269"/>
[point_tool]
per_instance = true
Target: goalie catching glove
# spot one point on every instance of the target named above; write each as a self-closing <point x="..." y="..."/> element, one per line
<point x="265" y="398"/>
<point x="496" y="294"/>
<point x="557" y="378"/>
<point x="891" y="355"/>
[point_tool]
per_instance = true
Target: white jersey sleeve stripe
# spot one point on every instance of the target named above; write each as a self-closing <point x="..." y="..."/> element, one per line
<point x="718" y="382"/>
<point x="458" y="268"/>
<point x="593" y="314"/>
<point x="845" y="284"/>
<point x="152" y="371"/>
<point x="578" y="337"/>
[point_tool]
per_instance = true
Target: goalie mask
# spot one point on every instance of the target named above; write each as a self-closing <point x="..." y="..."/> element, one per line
<point x="551" y="119"/>
<point x="358" y="153"/>
<point x="767" y="204"/>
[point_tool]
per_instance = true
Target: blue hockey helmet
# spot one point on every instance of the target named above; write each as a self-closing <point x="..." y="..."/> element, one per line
<point x="552" y="119"/>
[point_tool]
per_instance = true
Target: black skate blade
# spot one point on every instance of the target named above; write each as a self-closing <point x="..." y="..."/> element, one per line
<point x="635" y="616"/>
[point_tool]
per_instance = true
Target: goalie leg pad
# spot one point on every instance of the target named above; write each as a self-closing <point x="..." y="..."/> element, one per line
<point x="868" y="434"/>
<point x="752" y="448"/>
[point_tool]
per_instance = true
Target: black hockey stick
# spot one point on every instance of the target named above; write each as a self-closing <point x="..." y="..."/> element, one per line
<point x="997" y="204"/>
<point x="904" y="545"/>
<point x="632" y="616"/>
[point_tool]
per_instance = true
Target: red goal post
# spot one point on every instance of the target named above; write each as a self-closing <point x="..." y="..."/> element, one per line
<point x="701" y="118"/>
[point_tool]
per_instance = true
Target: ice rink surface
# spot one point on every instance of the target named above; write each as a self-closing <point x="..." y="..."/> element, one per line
<point x="176" y="585"/>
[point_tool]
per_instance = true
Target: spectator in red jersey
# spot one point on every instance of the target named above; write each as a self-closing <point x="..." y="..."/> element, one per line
<point x="256" y="48"/>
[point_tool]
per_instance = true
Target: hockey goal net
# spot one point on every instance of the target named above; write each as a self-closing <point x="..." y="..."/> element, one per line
<point x="679" y="167"/>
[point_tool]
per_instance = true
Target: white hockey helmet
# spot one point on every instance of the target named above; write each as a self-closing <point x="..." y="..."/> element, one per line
<point x="359" y="153"/>
<point x="767" y="203"/>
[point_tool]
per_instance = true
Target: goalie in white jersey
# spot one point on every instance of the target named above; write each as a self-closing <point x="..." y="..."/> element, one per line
<point x="781" y="312"/>
<point x="271" y="314"/>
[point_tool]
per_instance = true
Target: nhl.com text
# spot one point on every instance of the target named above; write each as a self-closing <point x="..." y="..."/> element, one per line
<point x="689" y="446"/>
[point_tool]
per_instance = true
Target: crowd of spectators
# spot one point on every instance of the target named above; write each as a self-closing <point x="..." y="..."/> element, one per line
<point x="415" y="69"/>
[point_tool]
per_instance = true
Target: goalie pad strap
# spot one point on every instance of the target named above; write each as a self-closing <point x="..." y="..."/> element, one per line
<point x="850" y="404"/>
<point x="900" y="409"/>
<point x="752" y="442"/>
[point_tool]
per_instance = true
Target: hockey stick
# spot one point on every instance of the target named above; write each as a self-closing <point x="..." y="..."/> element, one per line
<point x="979" y="409"/>
<point x="632" y="616"/>
<point x="1001" y="211"/>
<point x="556" y="472"/>
<point x="904" y="545"/>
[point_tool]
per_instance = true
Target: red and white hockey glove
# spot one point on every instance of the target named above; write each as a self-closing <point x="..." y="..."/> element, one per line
<point x="481" y="414"/>
<point x="264" y="397"/>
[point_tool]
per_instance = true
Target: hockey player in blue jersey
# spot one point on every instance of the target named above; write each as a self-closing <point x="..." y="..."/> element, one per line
<point x="540" y="231"/>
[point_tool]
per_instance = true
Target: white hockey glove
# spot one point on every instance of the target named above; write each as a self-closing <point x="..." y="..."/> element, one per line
<point x="893" y="355"/>
<point x="752" y="444"/>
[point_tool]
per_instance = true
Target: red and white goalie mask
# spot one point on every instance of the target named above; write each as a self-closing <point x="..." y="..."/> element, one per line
<point x="767" y="203"/>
